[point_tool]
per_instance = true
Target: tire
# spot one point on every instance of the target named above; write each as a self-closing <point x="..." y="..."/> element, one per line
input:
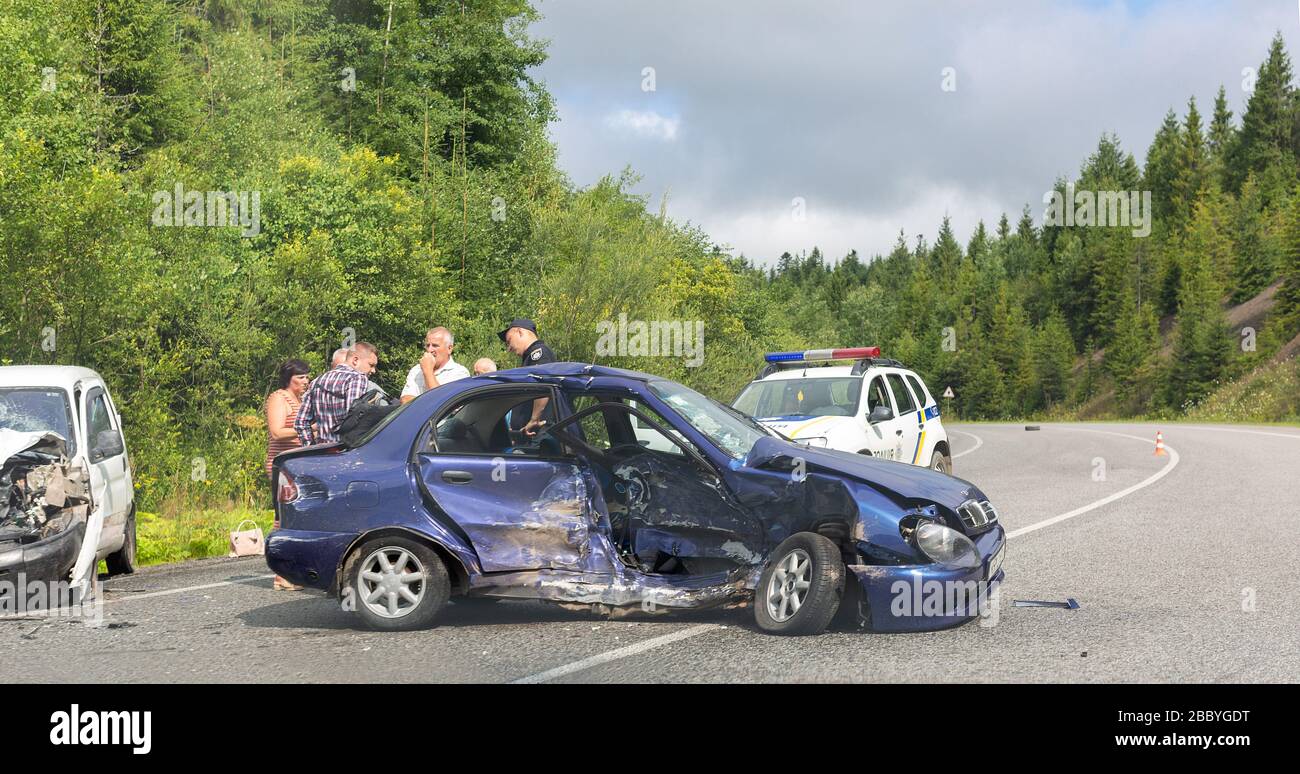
<point x="941" y="462"/>
<point x="409" y="604"/>
<point x="122" y="561"/>
<point x="807" y="558"/>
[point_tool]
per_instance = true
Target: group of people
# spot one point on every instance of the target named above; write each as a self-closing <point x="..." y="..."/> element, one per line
<point x="302" y="411"/>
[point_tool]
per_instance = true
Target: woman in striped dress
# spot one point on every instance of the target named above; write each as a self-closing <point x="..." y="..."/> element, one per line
<point x="281" y="409"/>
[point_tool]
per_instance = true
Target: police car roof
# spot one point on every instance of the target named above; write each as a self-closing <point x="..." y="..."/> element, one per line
<point x="827" y="372"/>
<point x="811" y="372"/>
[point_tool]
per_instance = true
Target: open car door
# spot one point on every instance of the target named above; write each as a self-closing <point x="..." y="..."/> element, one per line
<point x="669" y="510"/>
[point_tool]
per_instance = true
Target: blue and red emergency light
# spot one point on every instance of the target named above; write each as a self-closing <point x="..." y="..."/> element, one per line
<point x="851" y="353"/>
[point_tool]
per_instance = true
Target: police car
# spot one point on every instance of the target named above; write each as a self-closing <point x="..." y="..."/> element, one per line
<point x="872" y="406"/>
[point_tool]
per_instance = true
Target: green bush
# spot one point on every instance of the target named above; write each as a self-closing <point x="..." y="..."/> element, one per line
<point x="195" y="535"/>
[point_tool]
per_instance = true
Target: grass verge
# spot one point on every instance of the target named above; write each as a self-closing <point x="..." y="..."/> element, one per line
<point x="197" y="534"/>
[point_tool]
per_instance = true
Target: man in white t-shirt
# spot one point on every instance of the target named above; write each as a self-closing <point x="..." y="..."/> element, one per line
<point x="436" y="366"/>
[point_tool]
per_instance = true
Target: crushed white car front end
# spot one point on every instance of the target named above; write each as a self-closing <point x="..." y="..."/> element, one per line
<point x="47" y="514"/>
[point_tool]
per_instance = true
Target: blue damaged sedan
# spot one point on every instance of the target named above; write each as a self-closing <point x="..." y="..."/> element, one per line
<point x="638" y="494"/>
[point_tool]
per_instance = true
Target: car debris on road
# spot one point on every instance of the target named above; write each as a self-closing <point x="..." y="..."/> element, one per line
<point x="1069" y="604"/>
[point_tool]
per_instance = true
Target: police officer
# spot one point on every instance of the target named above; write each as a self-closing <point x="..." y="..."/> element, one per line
<point x="520" y="337"/>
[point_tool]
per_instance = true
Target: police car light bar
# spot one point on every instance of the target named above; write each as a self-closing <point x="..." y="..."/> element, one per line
<point x="851" y="353"/>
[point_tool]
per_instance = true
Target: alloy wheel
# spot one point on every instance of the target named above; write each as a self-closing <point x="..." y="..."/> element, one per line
<point x="391" y="582"/>
<point x="788" y="588"/>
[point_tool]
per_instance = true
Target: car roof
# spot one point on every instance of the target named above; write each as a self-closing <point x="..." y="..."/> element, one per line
<point x="563" y="369"/>
<point x="45" y="376"/>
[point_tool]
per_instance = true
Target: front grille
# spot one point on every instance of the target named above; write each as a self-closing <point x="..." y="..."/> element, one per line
<point x="977" y="514"/>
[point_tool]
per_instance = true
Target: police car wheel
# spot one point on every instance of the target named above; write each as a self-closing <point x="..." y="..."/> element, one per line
<point x="941" y="462"/>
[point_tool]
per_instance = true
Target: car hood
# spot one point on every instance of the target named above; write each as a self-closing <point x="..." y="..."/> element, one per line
<point x="16" y="442"/>
<point x="903" y="481"/>
<point x="799" y="427"/>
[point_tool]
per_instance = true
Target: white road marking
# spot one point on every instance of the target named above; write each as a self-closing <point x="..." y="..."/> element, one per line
<point x="1238" y="430"/>
<point x="1169" y="466"/>
<point x="127" y="596"/>
<point x="614" y="655"/>
<point x="978" y="443"/>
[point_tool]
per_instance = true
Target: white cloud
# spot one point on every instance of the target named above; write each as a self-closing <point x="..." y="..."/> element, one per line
<point x="837" y="229"/>
<point x="842" y="103"/>
<point x="645" y="123"/>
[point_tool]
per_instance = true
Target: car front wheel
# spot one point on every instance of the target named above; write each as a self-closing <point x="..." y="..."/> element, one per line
<point x="801" y="587"/>
<point x="398" y="584"/>
<point x="941" y="462"/>
<point x="122" y="561"/>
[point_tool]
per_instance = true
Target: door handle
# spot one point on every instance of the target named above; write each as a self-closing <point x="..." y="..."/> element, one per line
<point x="457" y="476"/>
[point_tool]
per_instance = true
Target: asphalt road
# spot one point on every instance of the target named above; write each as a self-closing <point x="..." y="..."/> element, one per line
<point x="1184" y="568"/>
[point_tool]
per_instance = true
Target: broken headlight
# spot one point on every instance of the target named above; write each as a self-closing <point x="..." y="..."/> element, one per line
<point x="945" y="545"/>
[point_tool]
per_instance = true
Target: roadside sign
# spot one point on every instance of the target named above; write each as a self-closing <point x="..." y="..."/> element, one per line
<point x="947" y="393"/>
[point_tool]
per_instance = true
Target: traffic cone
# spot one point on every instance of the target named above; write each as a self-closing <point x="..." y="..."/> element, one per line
<point x="1160" y="444"/>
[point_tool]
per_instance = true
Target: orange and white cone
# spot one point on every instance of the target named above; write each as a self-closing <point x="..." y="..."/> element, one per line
<point x="1160" y="444"/>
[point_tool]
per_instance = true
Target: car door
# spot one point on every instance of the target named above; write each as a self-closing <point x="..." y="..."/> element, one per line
<point x="885" y="437"/>
<point x="524" y="504"/>
<point x="931" y="426"/>
<point x="106" y="458"/>
<point x="668" y="506"/>
<point x="909" y="418"/>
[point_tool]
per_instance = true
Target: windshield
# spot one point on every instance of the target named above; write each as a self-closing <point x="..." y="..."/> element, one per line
<point x="728" y="432"/>
<point x="35" y="409"/>
<point x="810" y="397"/>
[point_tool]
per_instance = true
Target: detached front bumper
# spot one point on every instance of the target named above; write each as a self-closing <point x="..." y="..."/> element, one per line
<point x="925" y="597"/>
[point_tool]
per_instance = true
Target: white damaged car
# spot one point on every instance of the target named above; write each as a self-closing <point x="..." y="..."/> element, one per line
<point x="66" y="496"/>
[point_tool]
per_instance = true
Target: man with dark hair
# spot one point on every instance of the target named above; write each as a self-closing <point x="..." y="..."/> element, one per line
<point x="520" y="337"/>
<point x="332" y="393"/>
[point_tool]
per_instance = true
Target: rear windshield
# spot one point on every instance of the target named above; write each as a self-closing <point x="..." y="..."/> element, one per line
<point x="37" y="409"/>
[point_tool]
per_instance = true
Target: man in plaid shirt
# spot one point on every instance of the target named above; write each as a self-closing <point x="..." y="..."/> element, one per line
<point x="332" y="393"/>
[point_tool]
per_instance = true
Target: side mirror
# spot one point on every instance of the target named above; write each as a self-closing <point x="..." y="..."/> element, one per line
<point x="880" y="414"/>
<point x="109" y="444"/>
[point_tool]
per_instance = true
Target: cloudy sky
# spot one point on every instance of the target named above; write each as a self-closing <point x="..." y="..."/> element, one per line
<point x="759" y="103"/>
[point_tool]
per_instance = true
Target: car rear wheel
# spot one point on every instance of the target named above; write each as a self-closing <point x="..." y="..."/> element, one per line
<point x="801" y="587"/>
<point x="399" y="584"/>
<point x="941" y="462"/>
<point x="122" y="561"/>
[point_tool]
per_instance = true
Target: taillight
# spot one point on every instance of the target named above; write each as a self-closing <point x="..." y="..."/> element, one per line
<point x="286" y="491"/>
